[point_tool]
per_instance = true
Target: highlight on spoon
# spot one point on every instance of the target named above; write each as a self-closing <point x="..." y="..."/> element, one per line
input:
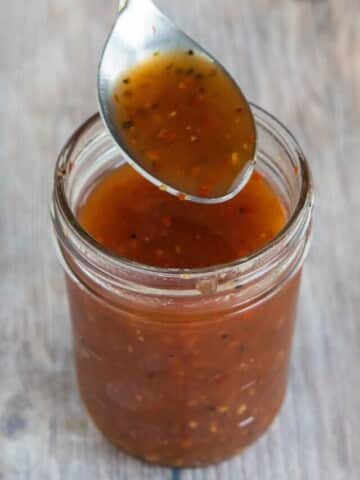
<point x="178" y="116"/>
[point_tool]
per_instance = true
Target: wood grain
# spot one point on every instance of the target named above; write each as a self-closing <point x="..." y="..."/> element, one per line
<point x="300" y="59"/>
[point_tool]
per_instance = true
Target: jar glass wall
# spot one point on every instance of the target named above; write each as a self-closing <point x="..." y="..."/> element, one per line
<point x="182" y="367"/>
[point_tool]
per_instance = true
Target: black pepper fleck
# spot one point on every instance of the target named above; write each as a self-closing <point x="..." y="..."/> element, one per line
<point x="210" y="408"/>
<point x="141" y="111"/>
<point x="128" y="124"/>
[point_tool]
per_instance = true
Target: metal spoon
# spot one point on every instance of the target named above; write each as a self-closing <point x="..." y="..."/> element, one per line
<point x="140" y="29"/>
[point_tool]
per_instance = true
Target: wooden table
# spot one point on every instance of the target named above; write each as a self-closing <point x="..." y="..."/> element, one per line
<point x="300" y="59"/>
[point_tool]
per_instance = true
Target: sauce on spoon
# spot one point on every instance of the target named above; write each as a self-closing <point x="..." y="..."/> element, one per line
<point x="186" y="123"/>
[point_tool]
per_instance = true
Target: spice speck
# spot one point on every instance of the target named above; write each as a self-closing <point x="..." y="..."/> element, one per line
<point x="246" y="422"/>
<point x="213" y="428"/>
<point x="193" y="425"/>
<point x="242" y="409"/>
<point x="223" y="409"/>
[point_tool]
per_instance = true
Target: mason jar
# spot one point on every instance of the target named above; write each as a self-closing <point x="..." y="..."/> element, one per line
<point x="182" y="367"/>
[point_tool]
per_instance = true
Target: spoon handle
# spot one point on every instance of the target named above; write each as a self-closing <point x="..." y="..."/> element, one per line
<point x="122" y="5"/>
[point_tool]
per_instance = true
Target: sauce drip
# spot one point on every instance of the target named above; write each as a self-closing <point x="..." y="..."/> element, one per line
<point x="134" y="219"/>
<point x="185" y="122"/>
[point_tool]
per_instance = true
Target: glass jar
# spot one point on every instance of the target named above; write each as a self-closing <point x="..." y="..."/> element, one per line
<point x="182" y="367"/>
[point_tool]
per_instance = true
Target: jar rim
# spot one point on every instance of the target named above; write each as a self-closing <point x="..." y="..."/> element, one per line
<point x="305" y="202"/>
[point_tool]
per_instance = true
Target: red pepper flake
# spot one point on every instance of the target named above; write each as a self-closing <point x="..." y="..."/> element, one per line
<point x="198" y="100"/>
<point x="218" y="377"/>
<point x="251" y="139"/>
<point x="152" y="155"/>
<point x="181" y="196"/>
<point x="204" y="191"/>
<point x="195" y="171"/>
<point x="166" y="220"/>
<point x="166" y="136"/>
<point x="170" y="137"/>
<point x="208" y="123"/>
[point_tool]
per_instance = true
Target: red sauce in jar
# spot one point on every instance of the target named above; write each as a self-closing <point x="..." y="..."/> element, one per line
<point x="185" y="382"/>
<point x="134" y="219"/>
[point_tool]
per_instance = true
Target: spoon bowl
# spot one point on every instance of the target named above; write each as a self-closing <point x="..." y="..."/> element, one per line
<point x="140" y="30"/>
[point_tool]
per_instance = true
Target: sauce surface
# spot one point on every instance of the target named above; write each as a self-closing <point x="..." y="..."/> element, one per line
<point x="134" y="219"/>
<point x="185" y="122"/>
